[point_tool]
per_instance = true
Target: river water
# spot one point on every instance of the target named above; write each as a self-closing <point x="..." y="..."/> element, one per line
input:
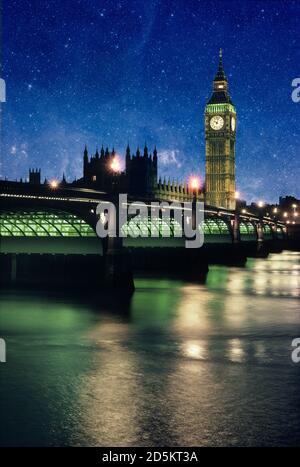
<point x="185" y="364"/>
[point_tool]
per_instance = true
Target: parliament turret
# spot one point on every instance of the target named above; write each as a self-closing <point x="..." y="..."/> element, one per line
<point x="139" y="178"/>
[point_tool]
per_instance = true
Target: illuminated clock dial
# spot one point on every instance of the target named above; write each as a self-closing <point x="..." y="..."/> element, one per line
<point x="216" y="122"/>
<point x="232" y="123"/>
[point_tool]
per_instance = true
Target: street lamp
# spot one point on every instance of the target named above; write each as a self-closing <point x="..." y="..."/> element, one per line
<point x="235" y="222"/>
<point x="194" y="184"/>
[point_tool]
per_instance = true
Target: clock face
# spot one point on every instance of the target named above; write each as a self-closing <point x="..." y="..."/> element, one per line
<point x="232" y="123"/>
<point x="216" y="122"/>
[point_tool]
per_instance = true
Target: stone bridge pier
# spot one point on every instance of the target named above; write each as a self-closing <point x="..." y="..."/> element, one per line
<point x="117" y="260"/>
<point x="236" y="229"/>
<point x="118" y="267"/>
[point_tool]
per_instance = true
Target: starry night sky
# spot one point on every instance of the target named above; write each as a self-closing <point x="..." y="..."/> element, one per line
<point x="83" y="71"/>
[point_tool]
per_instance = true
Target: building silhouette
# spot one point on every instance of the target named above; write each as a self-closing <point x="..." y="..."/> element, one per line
<point x="101" y="172"/>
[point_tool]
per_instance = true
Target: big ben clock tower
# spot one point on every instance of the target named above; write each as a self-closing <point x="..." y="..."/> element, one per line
<point x="220" y="128"/>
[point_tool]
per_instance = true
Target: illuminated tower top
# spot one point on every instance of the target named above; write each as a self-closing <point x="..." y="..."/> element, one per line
<point x="220" y="93"/>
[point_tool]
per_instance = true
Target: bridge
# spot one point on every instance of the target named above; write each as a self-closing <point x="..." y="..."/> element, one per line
<point x="46" y="229"/>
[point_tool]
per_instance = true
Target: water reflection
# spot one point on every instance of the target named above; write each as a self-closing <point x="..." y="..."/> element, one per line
<point x="279" y="275"/>
<point x="194" y="349"/>
<point x="236" y="352"/>
<point x="189" y="365"/>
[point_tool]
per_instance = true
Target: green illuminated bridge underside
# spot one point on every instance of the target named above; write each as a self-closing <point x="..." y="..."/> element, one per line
<point x="63" y="224"/>
<point x="43" y="224"/>
<point x="55" y="223"/>
<point x="59" y="232"/>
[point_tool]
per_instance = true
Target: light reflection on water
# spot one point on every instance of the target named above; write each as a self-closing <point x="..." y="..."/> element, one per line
<point x="188" y="365"/>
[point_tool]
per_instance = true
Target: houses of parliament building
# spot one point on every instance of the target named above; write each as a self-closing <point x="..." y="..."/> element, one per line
<point x="140" y="177"/>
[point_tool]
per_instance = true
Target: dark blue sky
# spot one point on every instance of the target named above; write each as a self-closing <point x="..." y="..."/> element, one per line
<point x="83" y="71"/>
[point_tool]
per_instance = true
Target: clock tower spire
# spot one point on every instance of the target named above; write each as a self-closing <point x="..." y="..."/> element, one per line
<point x="220" y="126"/>
<point x="220" y="76"/>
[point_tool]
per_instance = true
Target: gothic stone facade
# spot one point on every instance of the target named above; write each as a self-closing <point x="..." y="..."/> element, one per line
<point x="138" y="179"/>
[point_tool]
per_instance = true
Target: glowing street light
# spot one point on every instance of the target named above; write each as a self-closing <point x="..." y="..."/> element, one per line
<point x="237" y="195"/>
<point x="260" y="204"/>
<point x="53" y="184"/>
<point x="116" y="165"/>
<point x="285" y="214"/>
<point x="194" y="183"/>
<point x="294" y="206"/>
<point x="275" y="210"/>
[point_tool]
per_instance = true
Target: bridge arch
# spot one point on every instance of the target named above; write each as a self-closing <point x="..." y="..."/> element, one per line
<point x="280" y="232"/>
<point x="248" y="230"/>
<point x="47" y="231"/>
<point x="41" y="223"/>
<point x="215" y="230"/>
<point x="268" y="232"/>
